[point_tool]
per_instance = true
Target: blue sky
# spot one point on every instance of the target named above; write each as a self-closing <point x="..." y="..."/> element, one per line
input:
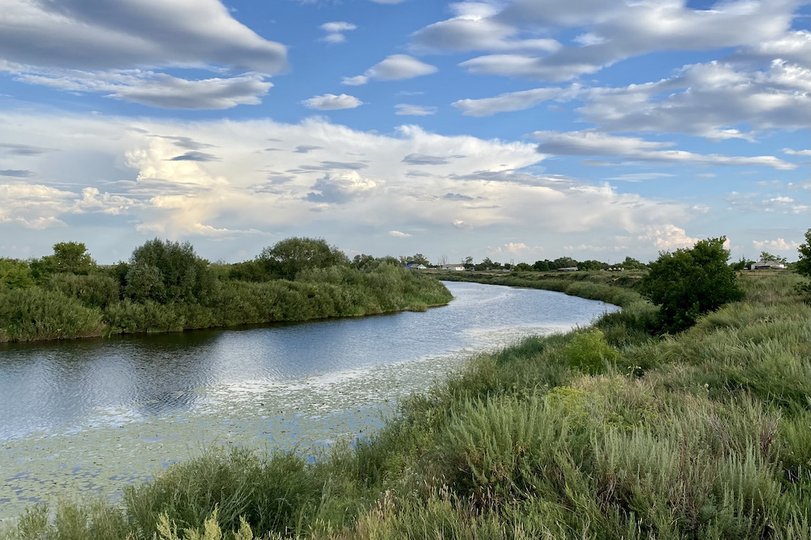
<point x="514" y="129"/>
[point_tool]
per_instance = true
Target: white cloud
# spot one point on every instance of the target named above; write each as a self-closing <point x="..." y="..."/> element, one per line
<point x="399" y="234"/>
<point x="668" y="237"/>
<point x="340" y="188"/>
<point x="779" y="244"/>
<point x="510" y="101"/>
<point x="714" y="100"/>
<point x="332" y="102"/>
<point x="336" y="30"/>
<point x="119" y="50"/>
<point x="392" y="68"/>
<point x="352" y="183"/>
<point x="474" y="29"/>
<point x="792" y="152"/>
<point x="405" y="109"/>
<point x="594" y="143"/>
<point x="620" y="30"/>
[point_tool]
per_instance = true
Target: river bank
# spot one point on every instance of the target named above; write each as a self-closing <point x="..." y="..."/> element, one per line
<point x="72" y="307"/>
<point x="605" y="432"/>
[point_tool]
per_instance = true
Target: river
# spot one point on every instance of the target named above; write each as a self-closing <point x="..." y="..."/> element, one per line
<point x="86" y="417"/>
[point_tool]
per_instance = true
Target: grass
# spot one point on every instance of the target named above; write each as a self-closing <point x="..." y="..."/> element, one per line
<point x="605" y="432"/>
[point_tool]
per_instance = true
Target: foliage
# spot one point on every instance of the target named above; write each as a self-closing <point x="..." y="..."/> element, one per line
<point x="68" y="257"/>
<point x="15" y="274"/>
<point x="589" y="352"/>
<point x="770" y="257"/>
<point x="803" y="265"/>
<point x="93" y="290"/>
<point x="289" y="257"/>
<point x="34" y="314"/>
<point x="699" y="435"/>
<point x="690" y="282"/>
<point x="166" y="271"/>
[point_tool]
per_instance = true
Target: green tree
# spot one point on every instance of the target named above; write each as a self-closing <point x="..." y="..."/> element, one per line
<point x="166" y="271"/>
<point x="769" y="257"/>
<point x="288" y="257"/>
<point x="632" y="264"/>
<point x="67" y="258"/>
<point x="690" y="282"/>
<point x="803" y="265"/>
<point x="15" y="274"/>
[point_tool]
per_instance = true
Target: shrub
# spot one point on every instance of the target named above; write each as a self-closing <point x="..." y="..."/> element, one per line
<point x="690" y="282"/>
<point x="589" y="352"/>
<point x="166" y="271"/>
<point x="93" y="290"/>
<point x="34" y="313"/>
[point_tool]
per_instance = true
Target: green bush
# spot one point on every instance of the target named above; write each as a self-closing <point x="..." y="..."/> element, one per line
<point x="92" y="290"/>
<point x="688" y="283"/>
<point x="33" y="313"/>
<point x="589" y="352"/>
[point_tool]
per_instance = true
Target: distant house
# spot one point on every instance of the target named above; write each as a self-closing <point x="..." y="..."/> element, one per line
<point x="453" y="267"/>
<point x="568" y="269"/>
<point x="767" y="265"/>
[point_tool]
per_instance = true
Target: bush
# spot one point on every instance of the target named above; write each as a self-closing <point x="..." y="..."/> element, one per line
<point x="289" y="257"/>
<point x="690" y="282"/>
<point x="93" y="290"/>
<point x="166" y="271"/>
<point x="33" y="313"/>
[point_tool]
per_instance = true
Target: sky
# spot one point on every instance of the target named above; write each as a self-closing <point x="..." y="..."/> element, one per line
<point x="512" y="129"/>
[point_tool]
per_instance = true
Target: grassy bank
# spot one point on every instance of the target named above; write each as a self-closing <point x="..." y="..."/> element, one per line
<point x="606" y="432"/>
<point x="72" y="306"/>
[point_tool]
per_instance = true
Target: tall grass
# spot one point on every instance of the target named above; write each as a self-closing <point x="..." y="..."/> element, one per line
<point x="605" y="432"/>
<point x="73" y="306"/>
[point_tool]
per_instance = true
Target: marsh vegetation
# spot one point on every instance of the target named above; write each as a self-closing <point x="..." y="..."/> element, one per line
<point x="167" y="287"/>
<point x="606" y="432"/>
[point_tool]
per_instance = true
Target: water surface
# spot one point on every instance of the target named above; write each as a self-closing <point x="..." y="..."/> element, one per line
<point x="86" y="417"/>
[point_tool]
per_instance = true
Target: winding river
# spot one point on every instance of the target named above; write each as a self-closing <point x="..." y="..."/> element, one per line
<point x="87" y="417"/>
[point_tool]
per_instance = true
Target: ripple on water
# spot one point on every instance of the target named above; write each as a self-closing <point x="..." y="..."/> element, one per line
<point x="118" y="444"/>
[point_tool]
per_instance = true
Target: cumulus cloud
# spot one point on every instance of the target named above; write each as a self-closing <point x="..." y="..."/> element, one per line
<point x="120" y="50"/>
<point x="778" y="244"/>
<point x="329" y="178"/>
<point x="332" y="102"/>
<point x="399" y="234"/>
<point x="392" y="68"/>
<point x="668" y="237"/>
<point x="336" y="31"/>
<point x="594" y="143"/>
<point x="405" y="109"/>
<point x="340" y="188"/>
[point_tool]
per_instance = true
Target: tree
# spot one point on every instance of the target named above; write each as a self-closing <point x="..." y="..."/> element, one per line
<point x="166" y="271"/>
<point x="15" y="274"/>
<point x="803" y="266"/>
<point x="690" y="282"/>
<point x="288" y="257"/>
<point x="765" y="256"/>
<point x="632" y="264"/>
<point x="68" y="257"/>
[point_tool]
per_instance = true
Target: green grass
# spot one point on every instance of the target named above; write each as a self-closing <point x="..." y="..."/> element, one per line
<point x="605" y="432"/>
<point x="70" y="306"/>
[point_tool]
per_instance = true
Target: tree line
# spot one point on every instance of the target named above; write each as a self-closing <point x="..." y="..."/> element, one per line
<point x="166" y="286"/>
